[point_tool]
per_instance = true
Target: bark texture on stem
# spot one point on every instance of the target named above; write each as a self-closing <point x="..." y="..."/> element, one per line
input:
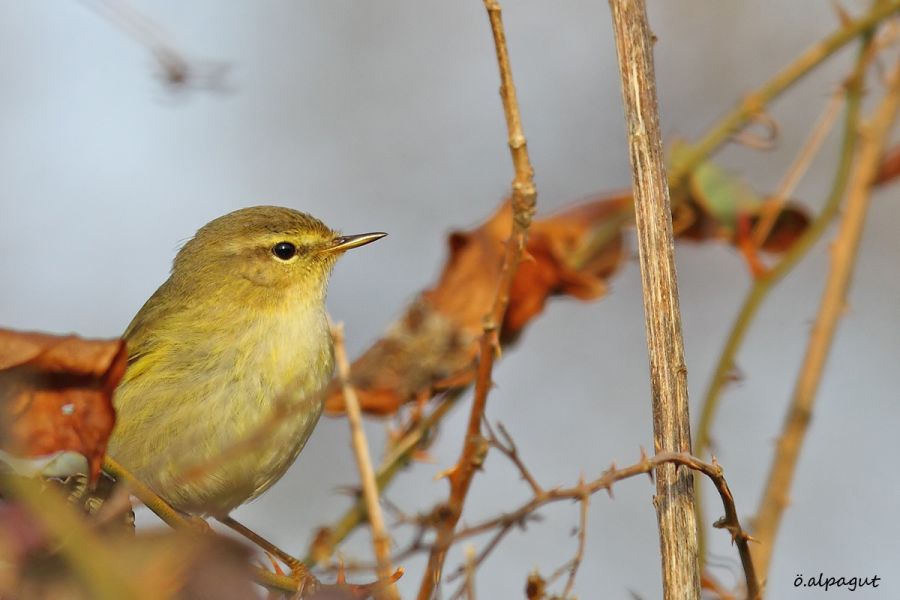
<point x="668" y="375"/>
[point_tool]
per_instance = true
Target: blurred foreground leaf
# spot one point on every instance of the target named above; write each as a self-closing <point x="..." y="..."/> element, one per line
<point x="56" y="397"/>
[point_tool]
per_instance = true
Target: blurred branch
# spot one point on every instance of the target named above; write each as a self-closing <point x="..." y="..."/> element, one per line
<point x="873" y="140"/>
<point x="178" y="520"/>
<point x="774" y="205"/>
<point x="400" y="455"/>
<point x="668" y="375"/>
<point x="162" y="509"/>
<point x="380" y="538"/>
<point x="178" y="71"/>
<point x="524" y="196"/>
<point x="96" y="566"/>
<point x="763" y="285"/>
<point x="754" y="102"/>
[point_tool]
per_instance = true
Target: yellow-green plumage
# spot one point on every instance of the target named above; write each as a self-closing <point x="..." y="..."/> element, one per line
<point x="228" y="361"/>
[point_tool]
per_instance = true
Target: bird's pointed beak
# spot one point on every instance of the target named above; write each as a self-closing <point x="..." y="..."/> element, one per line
<point x="345" y="242"/>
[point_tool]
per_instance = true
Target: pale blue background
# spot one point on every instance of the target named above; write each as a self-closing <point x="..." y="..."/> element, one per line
<point x="385" y="115"/>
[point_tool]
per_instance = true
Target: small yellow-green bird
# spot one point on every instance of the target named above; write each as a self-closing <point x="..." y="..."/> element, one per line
<point x="228" y="360"/>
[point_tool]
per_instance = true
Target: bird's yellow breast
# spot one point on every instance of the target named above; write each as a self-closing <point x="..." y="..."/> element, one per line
<point x="211" y="416"/>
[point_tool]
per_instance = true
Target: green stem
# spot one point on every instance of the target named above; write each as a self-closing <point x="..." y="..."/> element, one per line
<point x="754" y="102"/>
<point x="762" y="286"/>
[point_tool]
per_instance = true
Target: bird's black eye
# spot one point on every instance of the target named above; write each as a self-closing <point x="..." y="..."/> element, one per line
<point x="284" y="250"/>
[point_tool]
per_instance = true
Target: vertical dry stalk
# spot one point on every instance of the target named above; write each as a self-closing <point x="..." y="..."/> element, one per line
<point x="668" y="375"/>
<point x="524" y="196"/>
<point x="873" y="137"/>
<point x="381" y="541"/>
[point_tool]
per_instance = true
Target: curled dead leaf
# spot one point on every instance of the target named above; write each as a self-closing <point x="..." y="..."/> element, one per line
<point x="56" y="395"/>
<point x="433" y="346"/>
<point x="890" y="167"/>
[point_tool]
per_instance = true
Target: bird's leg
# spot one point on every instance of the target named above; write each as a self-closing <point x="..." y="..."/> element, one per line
<point x="299" y="571"/>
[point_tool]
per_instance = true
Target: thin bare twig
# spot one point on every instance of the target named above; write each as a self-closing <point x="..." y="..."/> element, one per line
<point x="873" y="136"/>
<point x="772" y="208"/>
<point x="505" y="522"/>
<point x="381" y="541"/>
<point x="668" y="374"/>
<point x="524" y="197"/>
<point x="582" y="539"/>
<point x="508" y="448"/>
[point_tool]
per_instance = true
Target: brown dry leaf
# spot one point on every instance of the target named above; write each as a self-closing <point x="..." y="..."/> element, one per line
<point x="56" y="394"/>
<point x="692" y="222"/>
<point x="719" y="204"/>
<point x="433" y="346"/>
<point x="890" y="166"/>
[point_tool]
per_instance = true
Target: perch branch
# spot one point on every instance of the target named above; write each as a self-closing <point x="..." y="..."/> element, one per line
<point x="381" y="541"/>
<point x="668" y="375"/>
<point x="873" y="138"/>
<point x="177" y="520"/>
<point x="523" y="204"/>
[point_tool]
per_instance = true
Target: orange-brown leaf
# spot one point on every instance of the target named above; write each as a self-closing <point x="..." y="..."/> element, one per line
<point x="56" y="394"/>
<point x="890" y="166"/>
<point x="433" y="346"/>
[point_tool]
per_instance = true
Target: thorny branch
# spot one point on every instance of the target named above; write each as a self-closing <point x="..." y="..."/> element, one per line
<point x="501" y="525"/>
<point x="402" y="451"/>
<point x="523" y="203"/>
<point x="763" y="285"/>
<point x="504" y="523"/>
<point x="873" y="138"/>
